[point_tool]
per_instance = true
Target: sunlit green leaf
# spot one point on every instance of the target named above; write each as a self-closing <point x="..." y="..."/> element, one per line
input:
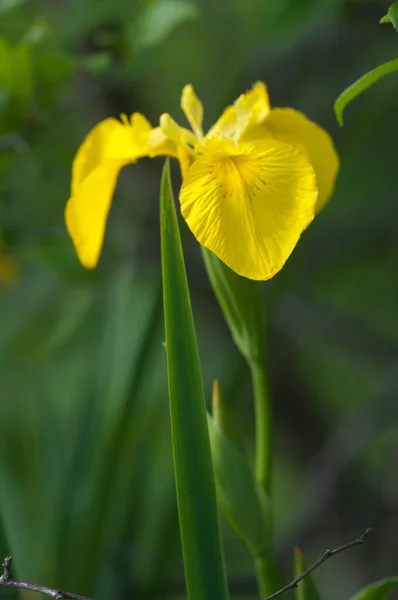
<point x="377" y="591"/>
<point x="160" y="18"/>
<point x="362" y="84"/>
<point x="391" y="16"/>
<point x="196" y="494"/>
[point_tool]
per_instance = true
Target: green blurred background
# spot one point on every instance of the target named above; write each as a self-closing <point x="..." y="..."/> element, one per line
<point x="87" y="500"/>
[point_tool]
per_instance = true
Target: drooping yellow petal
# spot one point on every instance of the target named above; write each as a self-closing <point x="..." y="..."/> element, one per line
<point x="107" y="148"/>
<point x="193" y="109"/>
<point x="87" y="210"/>
<point x="292" y="127"/>
<point x="249" y="203"/>
<point x="109" y="140"/>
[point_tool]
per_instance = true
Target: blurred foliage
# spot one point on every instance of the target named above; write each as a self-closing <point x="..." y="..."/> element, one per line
<point x="87" y="499"/>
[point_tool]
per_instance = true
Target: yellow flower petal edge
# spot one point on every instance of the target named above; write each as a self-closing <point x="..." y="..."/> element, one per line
<point x="249" y="203"/>
<point x="292" y="127"/>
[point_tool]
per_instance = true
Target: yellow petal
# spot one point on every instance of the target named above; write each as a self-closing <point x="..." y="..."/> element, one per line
<point x="183" y="139"/>
<point x="292" y="127"/>
<point x="106" y="149"/>
<point x="249" y="109"/>
<point x="193" y="109"/>
<point x="225" y="126"/>
<point x="248" y="203"/>
<point x="109" y="140"/>
<point x="173" y="132"/>
<point x="87" y="210"/>
<point x="255" y="104"/>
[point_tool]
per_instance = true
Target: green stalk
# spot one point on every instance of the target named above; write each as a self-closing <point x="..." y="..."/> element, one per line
<point x="266" y="572"/>
<point x="263" y="412"/>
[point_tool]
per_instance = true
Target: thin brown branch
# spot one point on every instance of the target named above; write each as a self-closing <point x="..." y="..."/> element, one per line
<point x="6" y="581"/>
<point x="327" y="554"/>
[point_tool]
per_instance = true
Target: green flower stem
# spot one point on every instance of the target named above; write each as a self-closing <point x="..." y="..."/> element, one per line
<point x="263" y="412"/>
<point x="266" y="572"/>
<point x="267" y="579"/>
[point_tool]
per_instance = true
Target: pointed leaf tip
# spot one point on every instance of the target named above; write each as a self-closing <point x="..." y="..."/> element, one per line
<point x="362" y="84"/>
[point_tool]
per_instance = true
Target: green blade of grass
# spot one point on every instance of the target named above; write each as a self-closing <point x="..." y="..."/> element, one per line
<point x="362" y="84"/>
<point x="196" y="496"/>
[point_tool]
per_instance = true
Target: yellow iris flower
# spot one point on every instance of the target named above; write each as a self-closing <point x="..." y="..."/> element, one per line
<point x="250" y="186"/>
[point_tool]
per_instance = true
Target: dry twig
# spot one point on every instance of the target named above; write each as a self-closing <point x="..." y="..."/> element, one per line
<point x="6" y="581"/>
<point x="327" y="554"/>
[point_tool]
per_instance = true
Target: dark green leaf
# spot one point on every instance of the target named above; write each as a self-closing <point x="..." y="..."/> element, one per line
<point x="196" y="495"/>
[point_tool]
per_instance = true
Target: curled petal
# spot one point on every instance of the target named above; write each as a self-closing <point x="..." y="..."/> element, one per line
<point x="193" y="109"/>
<point x="106" y="149"/>
<point x="292" y="127"/>
<point x="249" y="203"/>
<point x="109" y="140"/>
<point x="87" y="210"/>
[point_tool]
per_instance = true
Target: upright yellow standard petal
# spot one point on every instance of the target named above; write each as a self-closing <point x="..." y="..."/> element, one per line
<point x="193" y="109"/>
<point x="255" y="103"/>
<point x="249" y="203"/>
<point x="249" y="109"/>
<point x="225" y="126"/>
<point x="292" y="127"/>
